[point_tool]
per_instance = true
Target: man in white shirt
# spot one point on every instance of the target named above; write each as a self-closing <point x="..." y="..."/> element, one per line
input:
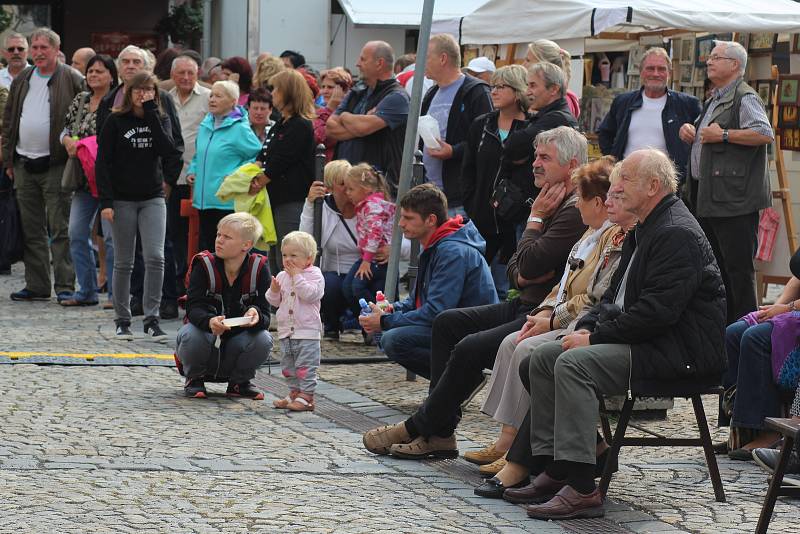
<point x="651" y="116"/>
<point x="191" y="103"/>
<point x="16" y="53"/>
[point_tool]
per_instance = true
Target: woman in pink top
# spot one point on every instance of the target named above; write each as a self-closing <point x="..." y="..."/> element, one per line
<point x="366" y="189"/>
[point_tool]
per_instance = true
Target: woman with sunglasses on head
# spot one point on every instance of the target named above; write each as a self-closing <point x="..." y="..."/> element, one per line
<point x="135" y="146"/>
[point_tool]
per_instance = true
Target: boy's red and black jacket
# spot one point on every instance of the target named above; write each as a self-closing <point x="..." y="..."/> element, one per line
<point x="230" y="300"/>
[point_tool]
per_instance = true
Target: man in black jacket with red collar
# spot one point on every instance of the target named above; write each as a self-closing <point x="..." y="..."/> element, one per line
<point x="455" y="101"/>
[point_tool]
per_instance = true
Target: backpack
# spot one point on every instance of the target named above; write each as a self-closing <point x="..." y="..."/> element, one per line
<point x="250" y="280"/>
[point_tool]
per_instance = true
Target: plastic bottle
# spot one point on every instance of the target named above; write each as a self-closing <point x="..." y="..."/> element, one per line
<point x="385" y="307"/>
<point x="365" y="309"/>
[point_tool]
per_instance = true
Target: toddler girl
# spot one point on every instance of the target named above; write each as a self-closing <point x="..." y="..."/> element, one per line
<point x="366" y="189"/>
<point x="297" y="292"/>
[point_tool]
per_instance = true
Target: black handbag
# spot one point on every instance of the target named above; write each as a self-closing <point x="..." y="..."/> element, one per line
<point x="11" y="239"/>
<point x="509" y="202"/>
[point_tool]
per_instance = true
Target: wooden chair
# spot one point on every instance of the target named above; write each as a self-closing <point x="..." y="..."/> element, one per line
<point x="790" y="429"/>
<point x="663" y="389"/>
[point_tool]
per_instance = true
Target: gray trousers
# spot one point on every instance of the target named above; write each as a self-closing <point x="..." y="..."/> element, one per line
<point x="299" y="363"/>
<point x="236" y="360"/>
<point x="42" y="206"/>
<point x="564" y="396"/>
<point x="150" y="218"/>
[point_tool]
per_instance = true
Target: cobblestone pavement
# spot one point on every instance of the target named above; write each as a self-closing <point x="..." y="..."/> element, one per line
<point x="118" y="449"/>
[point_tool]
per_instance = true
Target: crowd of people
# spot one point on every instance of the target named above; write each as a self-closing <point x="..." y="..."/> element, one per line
<point x="566" y="277"/>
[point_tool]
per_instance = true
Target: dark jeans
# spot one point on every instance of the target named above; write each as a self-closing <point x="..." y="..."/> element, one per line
<point x="178" y="232"/>
<point x="734" y="241"/>
<point x="333" y="301"/>
<point x="749" y="350"/>
<point x="208" y="227"/>
<point x="355" y="288"/>
<point x="464" y="342"/>
<point x="409" y="346"/>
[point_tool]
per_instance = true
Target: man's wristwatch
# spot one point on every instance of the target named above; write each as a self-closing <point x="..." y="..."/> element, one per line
<point x="792" y="306"/>
<point x="534" y="218"/>
<point x="725" y="136"/>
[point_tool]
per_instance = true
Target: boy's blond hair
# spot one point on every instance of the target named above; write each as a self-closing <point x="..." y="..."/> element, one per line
<point x="335" y="170"/>
<point x="249" y="227"/>
<point x="302" y="240"/>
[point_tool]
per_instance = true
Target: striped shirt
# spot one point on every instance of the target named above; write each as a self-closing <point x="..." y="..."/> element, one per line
<point x="752" y="116"/>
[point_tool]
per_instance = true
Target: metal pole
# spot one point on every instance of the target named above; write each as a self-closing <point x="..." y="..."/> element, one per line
<point x="413" y="260"/>
<point x="205" y="40"/>
<point x="319" y="171"/>
<point x="409" y="146"/>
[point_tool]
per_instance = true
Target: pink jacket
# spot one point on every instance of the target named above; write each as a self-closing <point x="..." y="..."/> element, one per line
<point x="298" y="303"/>
<point x="374" y="221"/>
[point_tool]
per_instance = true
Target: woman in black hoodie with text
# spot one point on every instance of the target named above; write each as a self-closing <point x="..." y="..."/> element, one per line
<point x="135" y="147"/>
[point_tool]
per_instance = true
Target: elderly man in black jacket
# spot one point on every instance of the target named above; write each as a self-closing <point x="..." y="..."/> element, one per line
<point x="662" y="318"/>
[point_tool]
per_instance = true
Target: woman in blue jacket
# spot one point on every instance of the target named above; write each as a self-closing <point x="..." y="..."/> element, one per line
<point x="225" y="142"/>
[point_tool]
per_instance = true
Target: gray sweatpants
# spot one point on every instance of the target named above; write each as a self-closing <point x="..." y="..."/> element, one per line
<point x="564" y="390"/>
<point x="299" y="363"/>
<point x="237" y="358"/>
<point x="150" y="218"/>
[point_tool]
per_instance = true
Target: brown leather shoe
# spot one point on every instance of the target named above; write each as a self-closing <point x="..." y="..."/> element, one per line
<point x="542" y="489"/>
<point x="380" y="440"/>
<point x="422" y="448"/>
<point x="569" y="504"/>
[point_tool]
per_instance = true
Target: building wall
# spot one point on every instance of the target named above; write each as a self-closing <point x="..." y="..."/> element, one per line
<point x="281" y="29"/>
<point x="348" y="40"/>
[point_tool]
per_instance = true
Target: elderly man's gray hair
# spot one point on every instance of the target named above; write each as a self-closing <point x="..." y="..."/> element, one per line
<point x="16" y="35"/>
<point x="133" y="49"/>
<point x="653" y="163"/>
<point x="552" y="75"/>
<point x="735" y="51"/>
<point x="383" y="50"/>
<point x="570" y="144"/>
<point x="184" y="59"/>
<point x="47" y="33"/>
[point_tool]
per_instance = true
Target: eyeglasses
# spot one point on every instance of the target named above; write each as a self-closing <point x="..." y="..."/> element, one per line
<point x="499" y="87"/>
<point x="13" y="49"/>
<point x="715" y="57"/>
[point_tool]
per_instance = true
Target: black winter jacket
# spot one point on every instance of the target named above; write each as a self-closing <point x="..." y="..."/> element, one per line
<point x="471" y="101"/>
<point x="482" y="156"/>
<point x="674" y="316"/>
<point x="288" y="160"/>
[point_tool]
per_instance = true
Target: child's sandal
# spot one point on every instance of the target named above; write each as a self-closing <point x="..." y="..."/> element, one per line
<point x="281" y="403"/>
<point x="301" y="405"/>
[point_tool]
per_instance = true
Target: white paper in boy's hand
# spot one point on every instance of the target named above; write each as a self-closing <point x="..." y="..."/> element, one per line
<point x="236" y="321"/>
<point x="428" y="130"/>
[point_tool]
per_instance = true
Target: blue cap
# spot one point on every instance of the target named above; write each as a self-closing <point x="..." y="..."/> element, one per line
<point x="363" y="304"/>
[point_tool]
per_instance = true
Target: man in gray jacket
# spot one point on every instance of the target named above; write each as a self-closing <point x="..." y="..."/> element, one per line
<point x="34" y="158"/>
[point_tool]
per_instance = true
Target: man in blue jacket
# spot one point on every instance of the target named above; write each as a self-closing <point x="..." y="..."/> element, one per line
<point x="651" y="116"/>
<point x="452" y="274"/>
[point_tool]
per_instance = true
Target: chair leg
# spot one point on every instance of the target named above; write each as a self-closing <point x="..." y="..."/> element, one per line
<point x="708" y="448"/>
<point x="774" y="486"/>
<point x="616" y="445"/>
<point x="604" y="424"/>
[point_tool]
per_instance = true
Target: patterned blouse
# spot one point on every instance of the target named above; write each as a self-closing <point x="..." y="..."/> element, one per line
<point x="87" y="126"/>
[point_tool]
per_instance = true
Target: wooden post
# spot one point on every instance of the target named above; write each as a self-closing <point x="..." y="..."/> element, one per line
<point x="783" y="192"/>
<point x="187" y="210"/>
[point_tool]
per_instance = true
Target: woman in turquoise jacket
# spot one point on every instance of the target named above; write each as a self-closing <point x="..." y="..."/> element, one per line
<point x="225" y="142"/>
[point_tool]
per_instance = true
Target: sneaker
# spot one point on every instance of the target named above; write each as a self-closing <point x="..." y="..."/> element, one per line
<point x="195" y="389"/>
<point x="331" y="334"/>
<point x="351" y="336"/>
<point x="152" y="329"/>
<point x="61" y="296"/>
<point x="168" y="310"/>
<point x="422" y="447"/>
<point x="26" y="295"/>
<point x="245" y="390"/>
<point x="124" y="332"/>
<point x="136" y="307"/>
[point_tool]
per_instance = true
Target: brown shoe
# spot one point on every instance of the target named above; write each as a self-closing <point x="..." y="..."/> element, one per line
<point x="569" y="504"/>
<point x="422" y="448"/>
<point x="379" y="440"/>
<point x="484" y="456"/>
<point x="542" y="489"/>
<point x="490" y="470"/>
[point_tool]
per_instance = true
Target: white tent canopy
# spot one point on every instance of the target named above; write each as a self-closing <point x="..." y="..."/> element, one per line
<point x="406" y="13"/>
<point x="519" y="21"/>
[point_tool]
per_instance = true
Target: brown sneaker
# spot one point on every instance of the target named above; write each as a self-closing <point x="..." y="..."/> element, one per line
<point x="422" y="448"/>
<point x="490" y="470"/>
<point x="484" y="456"/>
<point x="379" y="440"/>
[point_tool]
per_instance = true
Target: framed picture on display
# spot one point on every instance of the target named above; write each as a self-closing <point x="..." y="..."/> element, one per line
<point x="788" y="90"/>
<point x="788" y="117"/>
<point x="703" y="47"/>
<point x="743" y="39"/>
<point x="790" y="139"/>
<point x="490" y="51"/>
<point x="762" y="43"/>
<point x="763" y="87"/>
<point x="698" y="76"/>
<point x="795" y="42"/>
<point x="687" y="51"/>
<point x="687" y="73"/>
<point x="634" y="59"/>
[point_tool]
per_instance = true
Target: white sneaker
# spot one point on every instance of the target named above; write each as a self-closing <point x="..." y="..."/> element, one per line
<point x="351" y="336"/>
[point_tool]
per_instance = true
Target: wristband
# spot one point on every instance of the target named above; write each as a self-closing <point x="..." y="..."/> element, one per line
<point x="725" y="136"/>
<point x="535" y="219"/>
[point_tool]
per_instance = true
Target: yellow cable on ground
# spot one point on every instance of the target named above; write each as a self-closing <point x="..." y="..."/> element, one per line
<point x="17" y="355"/>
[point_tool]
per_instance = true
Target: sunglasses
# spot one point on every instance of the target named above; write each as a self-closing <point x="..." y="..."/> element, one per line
<point x="13" y="49"/>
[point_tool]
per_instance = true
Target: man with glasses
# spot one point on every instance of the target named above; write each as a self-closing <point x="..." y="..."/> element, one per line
<point x="16" y="53"/>
<point x="728" y="172"/>
<point x="455" y="101"/>
<point x="34" y="158"/>
<point x="650" y="116"/>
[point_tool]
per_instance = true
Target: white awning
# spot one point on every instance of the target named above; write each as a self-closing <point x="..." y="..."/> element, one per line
<point x="405" y="12"/>
<point x="520" y="21"/>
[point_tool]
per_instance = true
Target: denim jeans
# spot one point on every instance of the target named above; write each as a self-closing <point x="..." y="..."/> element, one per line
<point x="355" y="288"/>
<point x="749" y="350"/>
<point x="82" y="214"/>
<point x="150" y="218"/>
<point x="333" y="302"/>
<point x="500" y="277"/>
<point x="409" y="346"/>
